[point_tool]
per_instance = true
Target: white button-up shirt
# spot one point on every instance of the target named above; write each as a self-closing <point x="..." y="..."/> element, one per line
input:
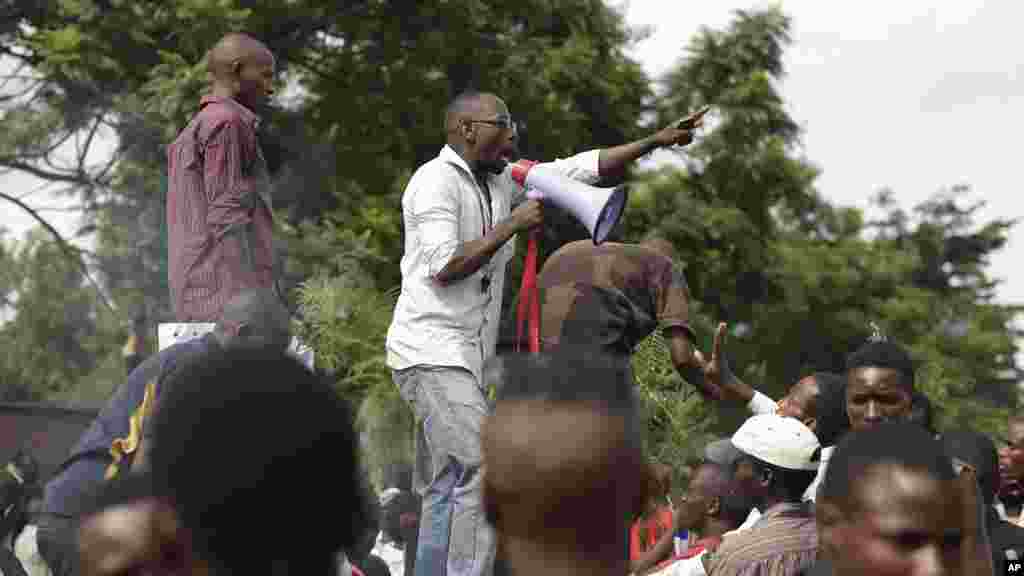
<point x="442" y="208"/>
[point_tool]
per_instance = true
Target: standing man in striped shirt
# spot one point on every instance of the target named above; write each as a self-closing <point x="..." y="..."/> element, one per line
<point x="218" y="197"/>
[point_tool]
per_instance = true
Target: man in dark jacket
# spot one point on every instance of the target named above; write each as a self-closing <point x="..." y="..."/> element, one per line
<point x="116" y="440"/>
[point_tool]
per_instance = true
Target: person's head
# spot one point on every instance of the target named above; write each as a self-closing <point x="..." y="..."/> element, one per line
<point x="921" y="412"/>
<point x="801" y="401"/>
<point x="888" y="505"/>
<point x="879" y="384"/>
<point x="710" y="504"/>
<point x="1012" y="455"/>
<point x="779" y="459"/>
<point x="561" y="453"/>
<point x="240" y="432"/>
<point x="480" y="128"/>
<point x="254" y="319"/>
<point x="242" y="68"/>
<point x="830" y="419"/>
<point x="661" y="246"/>
<point x="979" y="451"/>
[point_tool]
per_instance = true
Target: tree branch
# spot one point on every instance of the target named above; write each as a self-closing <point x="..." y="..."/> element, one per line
<point x="70" y="251"/>
<point x="84" y="150"/>
<point x="76" y="178"/>
<point x="32" y="84"/>
<point x="35" y="190"/>
<point x="43" y="153"/>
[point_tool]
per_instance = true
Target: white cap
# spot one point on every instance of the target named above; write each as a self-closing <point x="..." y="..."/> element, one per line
<point x="779" y="441"/>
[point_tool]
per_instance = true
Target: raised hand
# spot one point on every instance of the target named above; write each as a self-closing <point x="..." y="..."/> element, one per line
<point x="717" y="372"/>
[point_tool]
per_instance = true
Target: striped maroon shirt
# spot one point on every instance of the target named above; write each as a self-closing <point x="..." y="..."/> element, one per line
<point x="217" y="182"/>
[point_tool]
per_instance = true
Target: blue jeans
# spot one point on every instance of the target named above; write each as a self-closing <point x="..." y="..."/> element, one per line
<point x="450" y="407"/>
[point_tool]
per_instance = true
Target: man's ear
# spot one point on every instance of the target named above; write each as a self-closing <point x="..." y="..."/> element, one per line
<point x="236" y="68"/>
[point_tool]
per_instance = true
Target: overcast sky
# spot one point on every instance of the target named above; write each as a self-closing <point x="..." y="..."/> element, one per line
<point x="899" y="94"/>
<point x="905" y="95"/>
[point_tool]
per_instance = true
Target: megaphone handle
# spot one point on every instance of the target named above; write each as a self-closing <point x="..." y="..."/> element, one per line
<point x="529" y="302"/>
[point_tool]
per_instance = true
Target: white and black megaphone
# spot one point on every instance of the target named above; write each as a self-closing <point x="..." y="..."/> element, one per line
<point x="599" y="209"/>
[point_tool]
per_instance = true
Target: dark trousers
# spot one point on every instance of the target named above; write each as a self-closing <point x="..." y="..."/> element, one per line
<point x="57" y="539"/>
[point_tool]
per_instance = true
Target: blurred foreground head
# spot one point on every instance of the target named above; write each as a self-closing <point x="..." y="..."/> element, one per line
<point x="889" y="505"/>
<point x="237" y="474"/>
<point x="564" y="470"/>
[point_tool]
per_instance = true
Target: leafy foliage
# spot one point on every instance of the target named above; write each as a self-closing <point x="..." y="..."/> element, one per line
<point x="797" y="278"/>
<point x="346" y="320"/>
<point x="57" y="330"/>
<point x="678" y="420"/>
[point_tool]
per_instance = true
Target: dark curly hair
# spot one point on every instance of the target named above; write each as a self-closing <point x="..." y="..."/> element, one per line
<point x="245" y="440"/>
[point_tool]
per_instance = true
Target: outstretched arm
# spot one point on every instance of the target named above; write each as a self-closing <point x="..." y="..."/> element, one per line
<point x="613" y="162"/>
<point x="688" y="363"/>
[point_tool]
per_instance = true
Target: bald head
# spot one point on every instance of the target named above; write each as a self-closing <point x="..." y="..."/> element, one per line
<point x="467" y="106"/>
<point x="560" y="475"/>
<point x="232" y="50"/>
<point x="254" y="318"/>
<point x="661" y="246"/>
<point x="242" y="68"/>
<point x="713" y="481"/>
<point x="561" y="453"/>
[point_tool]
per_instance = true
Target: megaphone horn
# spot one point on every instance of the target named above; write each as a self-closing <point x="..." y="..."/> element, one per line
<point x="599" y="209"/>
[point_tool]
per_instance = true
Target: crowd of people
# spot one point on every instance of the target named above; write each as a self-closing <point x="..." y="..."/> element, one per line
<point x="220" y="454"/>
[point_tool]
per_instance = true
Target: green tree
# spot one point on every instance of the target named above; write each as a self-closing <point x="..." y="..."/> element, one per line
<point x="370" y="89"/>
<point x="57" y="334"/>
<point x="800" y="280"/>
<point x="797" y="278"/>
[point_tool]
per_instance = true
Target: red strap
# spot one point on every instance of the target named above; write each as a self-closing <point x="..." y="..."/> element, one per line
<point x="520" y="170"/>
<point x="529" y="300"/>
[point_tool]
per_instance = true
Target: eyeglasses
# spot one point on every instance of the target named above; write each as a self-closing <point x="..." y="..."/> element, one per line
<point x="505" y="122"/>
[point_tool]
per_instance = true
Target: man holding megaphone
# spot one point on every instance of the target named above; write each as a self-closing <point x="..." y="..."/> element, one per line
<point x="458" y="217"/>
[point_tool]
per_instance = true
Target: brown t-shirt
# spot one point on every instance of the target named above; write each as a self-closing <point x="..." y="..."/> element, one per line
<point x="612" y="295"/>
